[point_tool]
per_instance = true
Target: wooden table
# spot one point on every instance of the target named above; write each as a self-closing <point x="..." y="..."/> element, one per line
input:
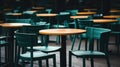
<point x="104" y="22"/>
<point x="86" y="13"/>
<point x="112" y="16"/>
<point x="29" y="12"/>
<point x="62" y="33"/>
<point x="75" y="19"/>
<point x="46" y="15"/>
<point x="78" y="17"/>
<point x="11" y="27"/>
<point x="101" y="21"/>
<point x="37" y="8"/>
<point x="14" y="14"/>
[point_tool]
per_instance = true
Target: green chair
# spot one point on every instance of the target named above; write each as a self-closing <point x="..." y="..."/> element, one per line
<point x="92" y="53"/>
<point x="72" y="23"/>
<point x="43" y="40"/>
<point x="25" y="40"/>
<point x="3" y="43"/>
<point x="20" y="21"/>
<point x="62" y="20"/>
<point x="115" y="32"/>
<point x="81" y="25"/>
<point x="35" y="29"/>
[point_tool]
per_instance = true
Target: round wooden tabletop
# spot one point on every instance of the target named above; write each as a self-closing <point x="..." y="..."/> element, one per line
<point x="86" y="13"/>
<point x="77" y="17"/>
<point x="13" y="25"/>
<point x="104" y="20"/>
<point x="14" y="14"/>
<point x="37" y="8"/>
<point x="112" y="16"/>
<point x="61" y="31"/>
<point x="46" y="15"/>
<point x="114" y="10"/>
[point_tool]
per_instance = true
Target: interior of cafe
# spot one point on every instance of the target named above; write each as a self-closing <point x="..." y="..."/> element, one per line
<point x="59" y="33"/>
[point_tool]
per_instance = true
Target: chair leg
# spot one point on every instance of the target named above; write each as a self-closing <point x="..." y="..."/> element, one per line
<point x="108" y="61"/>
<point x="70" y="59"/>
<point x="31" y="63"/>
<point x="73" y="42"/>
<point x="47" y="64"/>
<point x="84" y="63"/>
<point x="54" y="61"/>
<point x="0" y="58"/>
<point x="92" y="62"/>
<point x="85" y="44"/>
<point x="79" y="44"/>
<point x="117" y="43"/>
<point x="40" y="63"/>
<point x="6" y="54"/>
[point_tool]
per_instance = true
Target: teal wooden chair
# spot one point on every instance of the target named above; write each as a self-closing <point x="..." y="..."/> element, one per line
<point x="81" y="25"/>
<point x="62" y="21"/>
<point x="3" y="44"/>
<point x="92" y="53"/>
<point x="30" y="21"/>
<point x="72" y="23"/>
<point x="43" y="40"/>
<point x="115" y="32"/>
<point x="25" y="40"/>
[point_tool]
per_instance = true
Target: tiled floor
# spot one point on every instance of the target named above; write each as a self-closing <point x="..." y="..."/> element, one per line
<point x="77" y="62"/>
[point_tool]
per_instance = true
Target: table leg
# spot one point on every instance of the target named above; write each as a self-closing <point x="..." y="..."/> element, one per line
<point x="10" y="49"/>
<point x="63" y="57"/>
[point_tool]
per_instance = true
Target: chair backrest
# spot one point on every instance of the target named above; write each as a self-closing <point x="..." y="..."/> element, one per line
<point x="34" y="28"/>
<point x="84" y="23"/>
<point x="72" y="12"/>
<point x="63" y="18"/>
<point x="20" y="21"/>
<point x="25" y="39"/>
<point x="101" y="33"/>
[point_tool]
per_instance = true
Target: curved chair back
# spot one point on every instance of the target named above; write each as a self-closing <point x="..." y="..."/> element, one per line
<point x="20" y="21"/>
<point x="84" y="23"/>
<point x="26" y="39"/>
<point x="101" y="33"/>
<point x="34" y="28"/>
<point x="63" y="19"/>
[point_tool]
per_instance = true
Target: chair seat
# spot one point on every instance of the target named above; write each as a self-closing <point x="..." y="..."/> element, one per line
<point x="115" y="32"/>
<point x="3" y="37"/>
<point x="88" y="53"/>
<point x="59" y="26"/>
<point x="36" y="54"/>
<point x="3" y="43"/>
<point x="47" y="49"/>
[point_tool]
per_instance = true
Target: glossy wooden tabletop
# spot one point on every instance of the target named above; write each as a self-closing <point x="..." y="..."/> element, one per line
<point x="37" y="8"/>
<point x="86" y="13"/>
<point x="14" y="14"/>
<point x="61" y="31"/>
<point x="114" y="10"/>
<point x="104" y="20"/>
<point x="112" y="16"/>
<point x="77" y="17"/>
<point x="13" y="25"/>
<point x="46" y="14"/>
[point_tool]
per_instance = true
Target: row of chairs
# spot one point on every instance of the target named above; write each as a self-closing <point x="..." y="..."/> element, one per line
<point x="88" y="54"/>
